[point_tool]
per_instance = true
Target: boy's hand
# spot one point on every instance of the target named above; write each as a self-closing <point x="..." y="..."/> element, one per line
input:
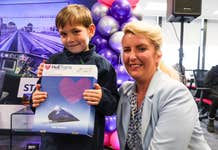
<point x="40" y="69"/>
<point x="38" y="96"/>
<point x="93" y="96"/>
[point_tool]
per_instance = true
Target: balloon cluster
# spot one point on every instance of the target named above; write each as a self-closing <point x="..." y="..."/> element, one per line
<point x="110" y="16"/>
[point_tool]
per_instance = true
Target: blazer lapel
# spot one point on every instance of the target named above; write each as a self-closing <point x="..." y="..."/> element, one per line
<point x="148" y="104"/>
<point x="147" y="109"/>
<point x="125" y="117"/>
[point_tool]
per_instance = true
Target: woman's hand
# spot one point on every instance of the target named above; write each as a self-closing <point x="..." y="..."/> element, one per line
<point x="93" y="96"/>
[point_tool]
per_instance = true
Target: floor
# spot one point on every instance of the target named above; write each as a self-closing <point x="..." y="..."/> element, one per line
<point x="20" y="142"/>
<point x="212" y="138"/>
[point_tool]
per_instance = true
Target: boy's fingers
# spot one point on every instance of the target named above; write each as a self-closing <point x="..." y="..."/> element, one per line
<point x="97" y="86"/>
<point x="38" y="87"/>
<point x="40" y="68"/>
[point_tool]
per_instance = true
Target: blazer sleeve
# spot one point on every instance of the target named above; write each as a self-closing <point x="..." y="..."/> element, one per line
<point x="178" y="116"/>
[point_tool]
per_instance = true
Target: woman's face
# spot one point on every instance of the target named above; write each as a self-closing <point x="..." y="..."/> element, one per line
<point x="140" y="57"/>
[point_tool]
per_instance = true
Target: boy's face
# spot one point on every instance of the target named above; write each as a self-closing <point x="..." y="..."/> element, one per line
<point x="76" y="37"/>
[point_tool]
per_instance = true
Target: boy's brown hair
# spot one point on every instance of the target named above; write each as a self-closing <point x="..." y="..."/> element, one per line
<point x="74" y="14"/>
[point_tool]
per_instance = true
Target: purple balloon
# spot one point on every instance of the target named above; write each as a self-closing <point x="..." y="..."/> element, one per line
<point x="110" y="123"/>
<point x="120" y="69"/>
<point x="121" y="10"/>
<point x="107" y="25"/>
<point x="109" y="55"/>
<point x="99" y="42"/>
<point x="122" y="75"/>
<point x="133" y="18"/>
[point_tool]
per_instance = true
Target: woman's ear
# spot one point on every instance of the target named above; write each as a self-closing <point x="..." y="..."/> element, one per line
<point x="158" y="56"/>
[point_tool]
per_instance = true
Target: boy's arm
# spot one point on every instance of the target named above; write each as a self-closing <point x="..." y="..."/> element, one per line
<point x="110" y="95"/>
<point x="39" y="75"/>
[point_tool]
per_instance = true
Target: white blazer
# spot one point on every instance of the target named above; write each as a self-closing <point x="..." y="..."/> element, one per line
<point x="170" y="116"/>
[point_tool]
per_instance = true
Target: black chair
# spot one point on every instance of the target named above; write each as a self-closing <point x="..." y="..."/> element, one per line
<point x="201" y="98"/>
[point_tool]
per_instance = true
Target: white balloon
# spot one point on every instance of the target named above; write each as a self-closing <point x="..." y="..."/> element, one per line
<point x="138" y="12"/>
<point x="99" y="10"/>
<point x="115" y="41"/>
<point x="107" y="25"/>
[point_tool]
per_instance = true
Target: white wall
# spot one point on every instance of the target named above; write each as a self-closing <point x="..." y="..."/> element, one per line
<point x="191" y="42"/>
<point x="211" y="44"/>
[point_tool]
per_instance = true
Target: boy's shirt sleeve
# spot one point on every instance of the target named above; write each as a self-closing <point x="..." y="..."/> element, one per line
<point x="110" y="95"/>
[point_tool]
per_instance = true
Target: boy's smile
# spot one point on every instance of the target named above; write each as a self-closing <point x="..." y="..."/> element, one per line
<point x="76" y="38"/>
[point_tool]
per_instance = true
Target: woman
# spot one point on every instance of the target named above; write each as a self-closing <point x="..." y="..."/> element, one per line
<point x="155" y="112"/>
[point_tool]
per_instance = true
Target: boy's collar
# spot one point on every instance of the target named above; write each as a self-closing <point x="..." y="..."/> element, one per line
<point x="84" y="54"/>
<point x="91" y="48"/>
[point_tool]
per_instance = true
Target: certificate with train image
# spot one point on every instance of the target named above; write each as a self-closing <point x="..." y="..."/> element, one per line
<point x="65" y="110"/>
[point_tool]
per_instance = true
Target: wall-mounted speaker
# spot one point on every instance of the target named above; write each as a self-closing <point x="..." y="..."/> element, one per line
<point x="183" y="10"/>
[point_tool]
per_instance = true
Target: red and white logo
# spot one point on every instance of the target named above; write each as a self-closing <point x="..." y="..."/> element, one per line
<point x="47" y="66"/>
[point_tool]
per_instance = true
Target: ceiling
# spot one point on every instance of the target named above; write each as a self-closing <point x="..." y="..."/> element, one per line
<point x="148" y="7"/>
<point x="159" y="8"/>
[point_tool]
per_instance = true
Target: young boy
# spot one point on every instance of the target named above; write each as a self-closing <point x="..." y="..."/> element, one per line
<point x="76" y="28"/>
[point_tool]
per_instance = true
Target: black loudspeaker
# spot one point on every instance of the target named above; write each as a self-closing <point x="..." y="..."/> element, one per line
<point x="183" y="10"/>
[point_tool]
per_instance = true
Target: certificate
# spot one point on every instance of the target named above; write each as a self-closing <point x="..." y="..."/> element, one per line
<point x="65" y="110"/>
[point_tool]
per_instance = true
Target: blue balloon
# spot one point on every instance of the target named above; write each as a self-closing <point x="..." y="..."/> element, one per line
<point x="121" y="10"/>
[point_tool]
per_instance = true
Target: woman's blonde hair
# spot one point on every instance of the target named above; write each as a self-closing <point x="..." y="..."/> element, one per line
<point x="170" y="71"/>
<point x="152" y="32"/>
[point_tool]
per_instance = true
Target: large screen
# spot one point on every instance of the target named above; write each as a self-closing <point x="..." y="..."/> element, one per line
<point x="8" y="64"/>
<point x="10" y="87"/>
<point x="28" y="26"/>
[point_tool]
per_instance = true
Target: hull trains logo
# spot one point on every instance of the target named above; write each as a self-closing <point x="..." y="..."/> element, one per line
<point x="47" y="66"/>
